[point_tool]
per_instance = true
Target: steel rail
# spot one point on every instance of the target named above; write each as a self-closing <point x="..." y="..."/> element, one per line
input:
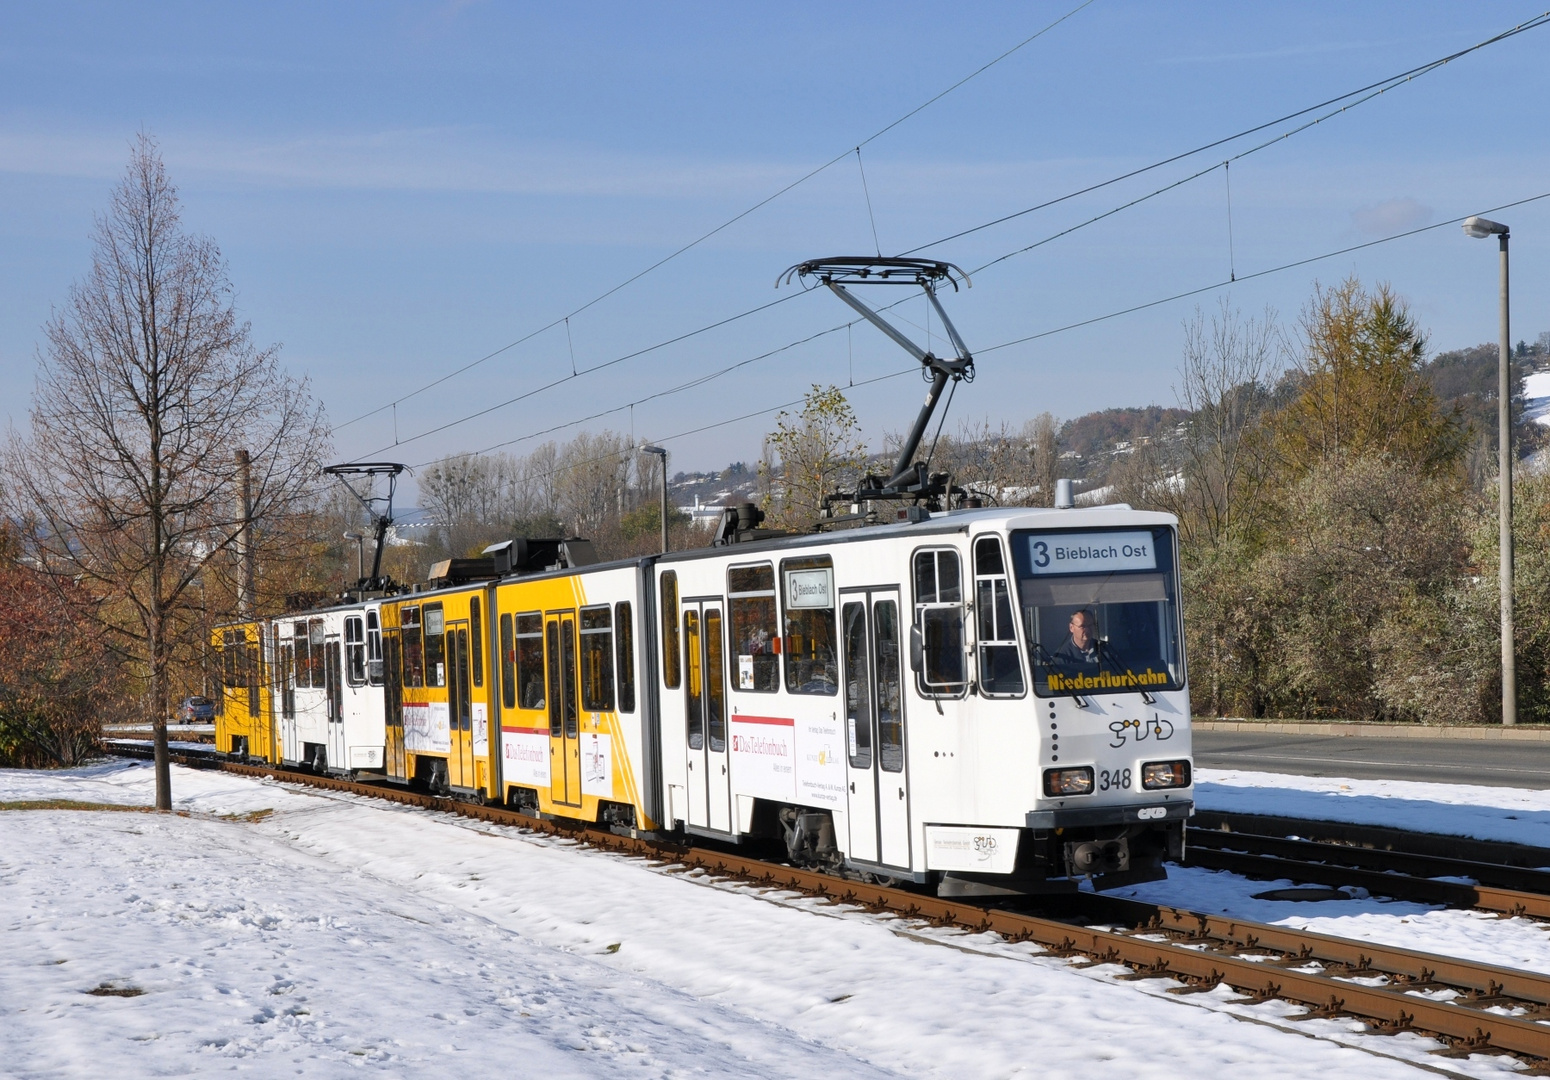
<point x="1375" y="837"/>
<point x="1314" y="970"/>
<point x="1394" y="874"/>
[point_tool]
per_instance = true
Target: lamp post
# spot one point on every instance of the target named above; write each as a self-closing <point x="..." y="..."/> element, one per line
<point x="1480" y="228"/>
<point x="360" y="554"/>
<point x="647" y="448"/>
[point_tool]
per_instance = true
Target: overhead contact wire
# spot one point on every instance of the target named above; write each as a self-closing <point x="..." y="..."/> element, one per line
<point x="1402" y="77"/>
<point x="1372" y="90"/>
<point x="725" y="224"/>
<point x="1250" y="277"/>
<point x="988" y="349"/>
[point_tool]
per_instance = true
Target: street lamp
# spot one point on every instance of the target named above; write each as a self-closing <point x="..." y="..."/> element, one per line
<point x="647" y="448"/>
<point x="360" y="554"/>
<point x="1480" y="228"/>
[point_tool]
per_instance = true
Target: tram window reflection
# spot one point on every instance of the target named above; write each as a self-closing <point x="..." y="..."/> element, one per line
<point x="530" y="661"/>
<point x="409" y="635"/>
<point x="809" y="642"/>
<point x="597" y="646"/>
<point x="755" y="628"/>
<point x="435" y="646"/>
<point x="1000" y="668"/>
<point x="671" y="670"/>
<point x="624" y="643"/>
<point x="508" y="645"/>
<point x="939" y="614"/>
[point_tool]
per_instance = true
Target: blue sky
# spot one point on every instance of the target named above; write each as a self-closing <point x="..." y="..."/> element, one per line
<point x="401" y="189"/>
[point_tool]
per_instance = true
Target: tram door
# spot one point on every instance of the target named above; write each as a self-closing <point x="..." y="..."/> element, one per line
<point x="878" y="786"/>
<point x="333" y="683"/>
<point x="460" y="759"/>
<point x="564" y="729"/>
<point x="710" y="790"/>
<point x="285" y="680"/>
<point x="393" y="703"/>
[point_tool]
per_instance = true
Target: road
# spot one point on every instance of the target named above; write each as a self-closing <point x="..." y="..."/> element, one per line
<point x="1451" y="761"/>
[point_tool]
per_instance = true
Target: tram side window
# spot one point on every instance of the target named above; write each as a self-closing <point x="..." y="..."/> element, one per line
<point x="476" y="633"/>
<point x="530" y="661"/>
<point x="755" y="630"/>
<point x="672" y="655"/>
<point x="508" y="664"/>
<point x="597" y="671"/>
<point x="939" y="616"/>
<point x="303" y="656"/>
<point x="435" y="646"/>
<point x="316" y="639"/>
<point x="414" y="656"/>
<point x="373" y="649"/>
<point x="809" y="641"/>
<point x="624" y="645"/>
<point x="858" y="708"/>
<point x="355" y="651"/>
<point x="1000" y="666"/>
<point x="890" y="693"/>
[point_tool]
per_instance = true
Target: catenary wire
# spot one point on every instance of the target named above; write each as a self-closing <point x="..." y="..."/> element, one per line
<point x="994" y="348"/>
<point x="724" y="225"/>
<point x="1371" y="90"/>
<point x="1404" y="76"/>
<point x="1250" y="277"/>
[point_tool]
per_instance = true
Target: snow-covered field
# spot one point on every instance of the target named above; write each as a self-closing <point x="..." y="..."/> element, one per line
<point x="1536" y="396"/>
<point x="274" y="930"/>
<point x="1516" y="815"/>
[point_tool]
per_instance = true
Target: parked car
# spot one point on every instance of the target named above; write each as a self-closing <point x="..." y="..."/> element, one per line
<point x="196" y="710"/>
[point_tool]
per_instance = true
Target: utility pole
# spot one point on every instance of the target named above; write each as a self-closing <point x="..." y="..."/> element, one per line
<point x="1480" y="228"/>
<point x="247" y="566"/>
<point x="662" y="453"/>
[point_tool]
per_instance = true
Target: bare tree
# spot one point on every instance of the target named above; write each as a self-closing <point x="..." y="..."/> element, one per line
<point x="147" y="386"/>
<point x="1222" y="462"/>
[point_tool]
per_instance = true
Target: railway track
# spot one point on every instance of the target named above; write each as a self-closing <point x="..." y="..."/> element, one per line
<point x="1471" y="1007"/>
<point x="1382" y="861"/>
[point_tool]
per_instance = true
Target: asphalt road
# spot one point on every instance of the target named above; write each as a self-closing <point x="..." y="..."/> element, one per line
<point x="1496" y="763"/>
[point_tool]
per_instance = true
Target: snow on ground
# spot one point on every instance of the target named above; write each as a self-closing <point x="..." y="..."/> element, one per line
<point x="1516" y="815"/>
<point x="1536" y="396"/>
<point x="1512" y="814"/>
<point x="336" y="934"/>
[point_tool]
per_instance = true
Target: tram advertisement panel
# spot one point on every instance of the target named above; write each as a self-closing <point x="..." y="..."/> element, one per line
<point x="525" y="756"/>
<point x="764" y="756"/>
<point x="597" y="770"/>
<point x="820" y="762"/>
<point x="427" y="728"/>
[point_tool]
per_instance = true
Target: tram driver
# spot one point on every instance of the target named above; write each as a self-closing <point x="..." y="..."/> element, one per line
<point x="1081" y="649"/>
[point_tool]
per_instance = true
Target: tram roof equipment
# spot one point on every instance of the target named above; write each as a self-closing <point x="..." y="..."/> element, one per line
<point x="909" y="479"/>
<point x="380" y="521"/>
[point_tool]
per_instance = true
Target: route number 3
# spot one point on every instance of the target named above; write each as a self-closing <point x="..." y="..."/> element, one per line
<point x="1040" y="553"/>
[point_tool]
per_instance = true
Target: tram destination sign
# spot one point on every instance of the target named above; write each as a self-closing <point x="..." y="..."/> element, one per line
<point x="810" y="588"/>
<point x="1090" y="552"/>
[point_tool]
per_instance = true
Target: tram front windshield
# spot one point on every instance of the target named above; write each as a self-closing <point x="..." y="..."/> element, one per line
<point x="1100" y="610"/>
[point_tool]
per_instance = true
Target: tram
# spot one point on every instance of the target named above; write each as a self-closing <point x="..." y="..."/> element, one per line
<point x="964" y="698"/>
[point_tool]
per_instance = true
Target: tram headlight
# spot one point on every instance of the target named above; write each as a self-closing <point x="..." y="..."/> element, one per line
<point x="1164" y="774"/>
<point x="1068" y="781"/>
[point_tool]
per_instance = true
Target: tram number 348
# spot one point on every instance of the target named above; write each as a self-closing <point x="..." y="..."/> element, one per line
<point x="1119" y="778"/>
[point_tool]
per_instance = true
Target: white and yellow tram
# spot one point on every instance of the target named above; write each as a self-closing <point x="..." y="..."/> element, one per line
<point x="982" y="698"/>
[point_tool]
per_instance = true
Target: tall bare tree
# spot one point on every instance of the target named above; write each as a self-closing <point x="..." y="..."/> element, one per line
<point x="147" y="386"/>
<point x="1223" y="458"/>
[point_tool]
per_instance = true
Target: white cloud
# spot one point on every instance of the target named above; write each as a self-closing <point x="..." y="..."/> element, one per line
<point x="1390" y="216"/>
